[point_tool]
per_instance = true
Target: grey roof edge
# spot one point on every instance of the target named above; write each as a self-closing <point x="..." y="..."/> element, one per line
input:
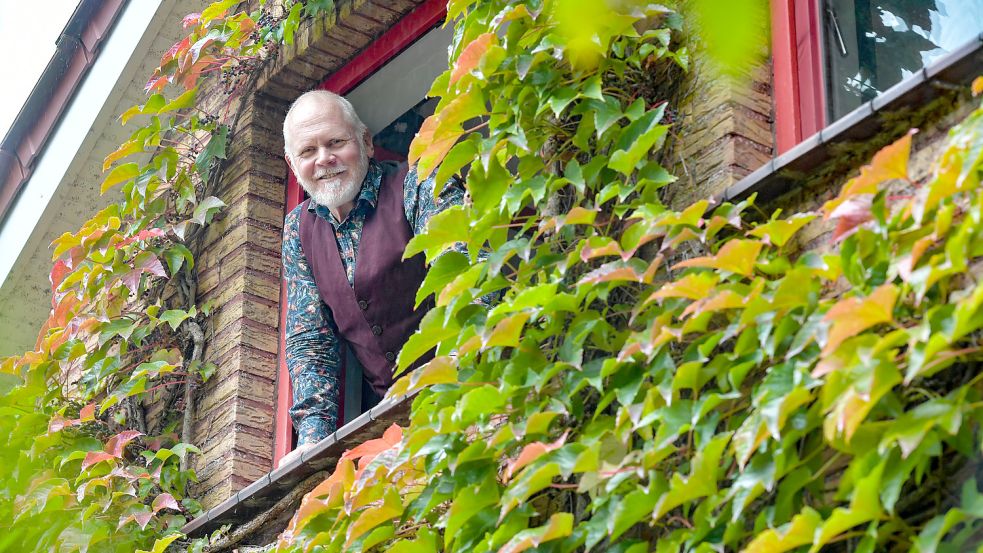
<point x="276" y="484"/>
<point x="776" y="177"/>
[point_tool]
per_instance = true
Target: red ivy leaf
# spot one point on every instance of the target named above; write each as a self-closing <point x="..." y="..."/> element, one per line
<point x="149" y="263"/>
<point x="144" y="235"/>
<point x="117" y="443"/>
<point x="93" y="457"/>
<point x="58" y="273"/>
<point x="165" y="501"/>
<point x="142" y="518"/>
<point x="190" y="19"/>
<point x="155" y="84"/>
<point x="58" y="422"/>
<point x="850" y="215"/>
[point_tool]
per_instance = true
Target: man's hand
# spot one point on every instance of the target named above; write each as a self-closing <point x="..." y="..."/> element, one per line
<point x="295" y="454"/>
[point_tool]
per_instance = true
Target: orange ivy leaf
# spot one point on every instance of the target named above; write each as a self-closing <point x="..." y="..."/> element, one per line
<point x="471" y="55"/>
<point x="368" y="450"/>
<point x="391" y="507"/>
<point x="64" y="311"/>
<point x="426" y="145"/>
<point x="58" y="273"/>
<point x="93" y="457"/>
<point x="906" y="265"/>
<point x="853" y="315"/>
<point x="891" y="162"/>
<point x="530" y="453"/>
<point x="977" y="86"/>
<point x="737" y="256"/>
<point x="116" y="444"/>
<point x="88" y="413"/>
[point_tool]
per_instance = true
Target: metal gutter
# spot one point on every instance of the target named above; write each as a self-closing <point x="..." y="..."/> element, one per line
<point x="265" y="492"/>
<point x="76" y="50"/>
<point x="787" y="171"/>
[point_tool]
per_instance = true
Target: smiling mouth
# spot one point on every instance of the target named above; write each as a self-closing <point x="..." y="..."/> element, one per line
<point x="329" y="176"/>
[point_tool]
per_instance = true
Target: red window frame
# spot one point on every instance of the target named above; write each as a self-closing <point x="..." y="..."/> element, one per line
<point x="397" y="38"/>
<point x="799" y="95"/>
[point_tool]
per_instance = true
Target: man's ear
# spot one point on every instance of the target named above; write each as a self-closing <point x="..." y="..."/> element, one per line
<point x="367" y="141"/>
<point x="290" y="163"/>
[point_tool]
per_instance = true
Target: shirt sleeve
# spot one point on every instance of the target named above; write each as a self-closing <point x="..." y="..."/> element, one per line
<point x="421" y="206"/>
<point x="311" y="346"/>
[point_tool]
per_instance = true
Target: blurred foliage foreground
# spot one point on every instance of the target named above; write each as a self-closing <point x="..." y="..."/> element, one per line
<point x="652" y="380"/>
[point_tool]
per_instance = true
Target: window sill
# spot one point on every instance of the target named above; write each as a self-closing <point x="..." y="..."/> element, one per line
<point x="274" y="485"/>
<point x="783" y="173"/>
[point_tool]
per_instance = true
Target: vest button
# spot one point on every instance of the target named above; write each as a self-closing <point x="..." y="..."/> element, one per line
<point x="376" y="329"/>
<point x="390" y="356"/>
<point x="363" y="305"/>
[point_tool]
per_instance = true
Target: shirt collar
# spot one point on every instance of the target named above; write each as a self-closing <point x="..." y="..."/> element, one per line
<point x="368" y="196"/>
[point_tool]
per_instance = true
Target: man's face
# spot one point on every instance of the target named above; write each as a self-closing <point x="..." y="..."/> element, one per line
<point x="327" y="156"/>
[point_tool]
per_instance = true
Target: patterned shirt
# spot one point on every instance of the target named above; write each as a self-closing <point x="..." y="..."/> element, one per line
<point x="312" y="347"/>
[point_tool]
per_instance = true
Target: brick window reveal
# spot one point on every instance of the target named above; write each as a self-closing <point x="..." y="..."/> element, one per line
<point x="383" y="49"/>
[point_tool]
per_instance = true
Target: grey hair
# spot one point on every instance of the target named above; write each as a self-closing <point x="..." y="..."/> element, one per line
<point x="347" y="109"/>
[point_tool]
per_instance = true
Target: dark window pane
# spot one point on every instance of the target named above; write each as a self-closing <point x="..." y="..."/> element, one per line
<point x="870" y="45"/>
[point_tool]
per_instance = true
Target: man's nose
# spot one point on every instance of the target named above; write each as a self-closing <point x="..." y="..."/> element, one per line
<point x="326" y="157"/>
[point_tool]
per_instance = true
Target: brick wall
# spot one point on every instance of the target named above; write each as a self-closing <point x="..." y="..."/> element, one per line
<point x="724" y="131"/>
<point x="239" y="260"/>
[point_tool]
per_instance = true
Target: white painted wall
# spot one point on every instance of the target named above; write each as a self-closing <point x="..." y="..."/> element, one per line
<point x="63" y="190"/>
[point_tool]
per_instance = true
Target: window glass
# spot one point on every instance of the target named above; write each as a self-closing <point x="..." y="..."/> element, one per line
<point x="870" y="45"/>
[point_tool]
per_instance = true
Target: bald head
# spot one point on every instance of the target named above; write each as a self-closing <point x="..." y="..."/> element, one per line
<point x="320" y="99"/>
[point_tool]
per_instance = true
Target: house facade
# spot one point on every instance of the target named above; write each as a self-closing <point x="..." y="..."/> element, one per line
<point x="842" y="80"/>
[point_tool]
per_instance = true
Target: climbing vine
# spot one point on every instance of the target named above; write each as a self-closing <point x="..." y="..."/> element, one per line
<point x="650" y="380"/>
<point x="97" y="418"/>
<point x="656" y="379"/>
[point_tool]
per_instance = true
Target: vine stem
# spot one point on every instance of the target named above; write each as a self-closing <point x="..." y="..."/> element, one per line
<point x="198" y="338"/>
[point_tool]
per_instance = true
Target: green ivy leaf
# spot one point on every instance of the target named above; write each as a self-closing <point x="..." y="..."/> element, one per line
<point x="637" y="140"/>
<point x="215" y="149"/>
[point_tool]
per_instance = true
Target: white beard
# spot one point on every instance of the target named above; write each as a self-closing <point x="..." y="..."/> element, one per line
<point x="335" y="192"/>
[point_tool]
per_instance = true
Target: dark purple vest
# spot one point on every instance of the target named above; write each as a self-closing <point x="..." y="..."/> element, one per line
<point x="376" y="317"/>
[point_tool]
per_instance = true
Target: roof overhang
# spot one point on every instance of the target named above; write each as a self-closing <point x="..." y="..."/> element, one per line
<point x="51" y="161"/>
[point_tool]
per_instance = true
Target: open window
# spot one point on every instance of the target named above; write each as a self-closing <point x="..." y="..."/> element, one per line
<point x="387" y="84"/>
<point x="832" y="56"/>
